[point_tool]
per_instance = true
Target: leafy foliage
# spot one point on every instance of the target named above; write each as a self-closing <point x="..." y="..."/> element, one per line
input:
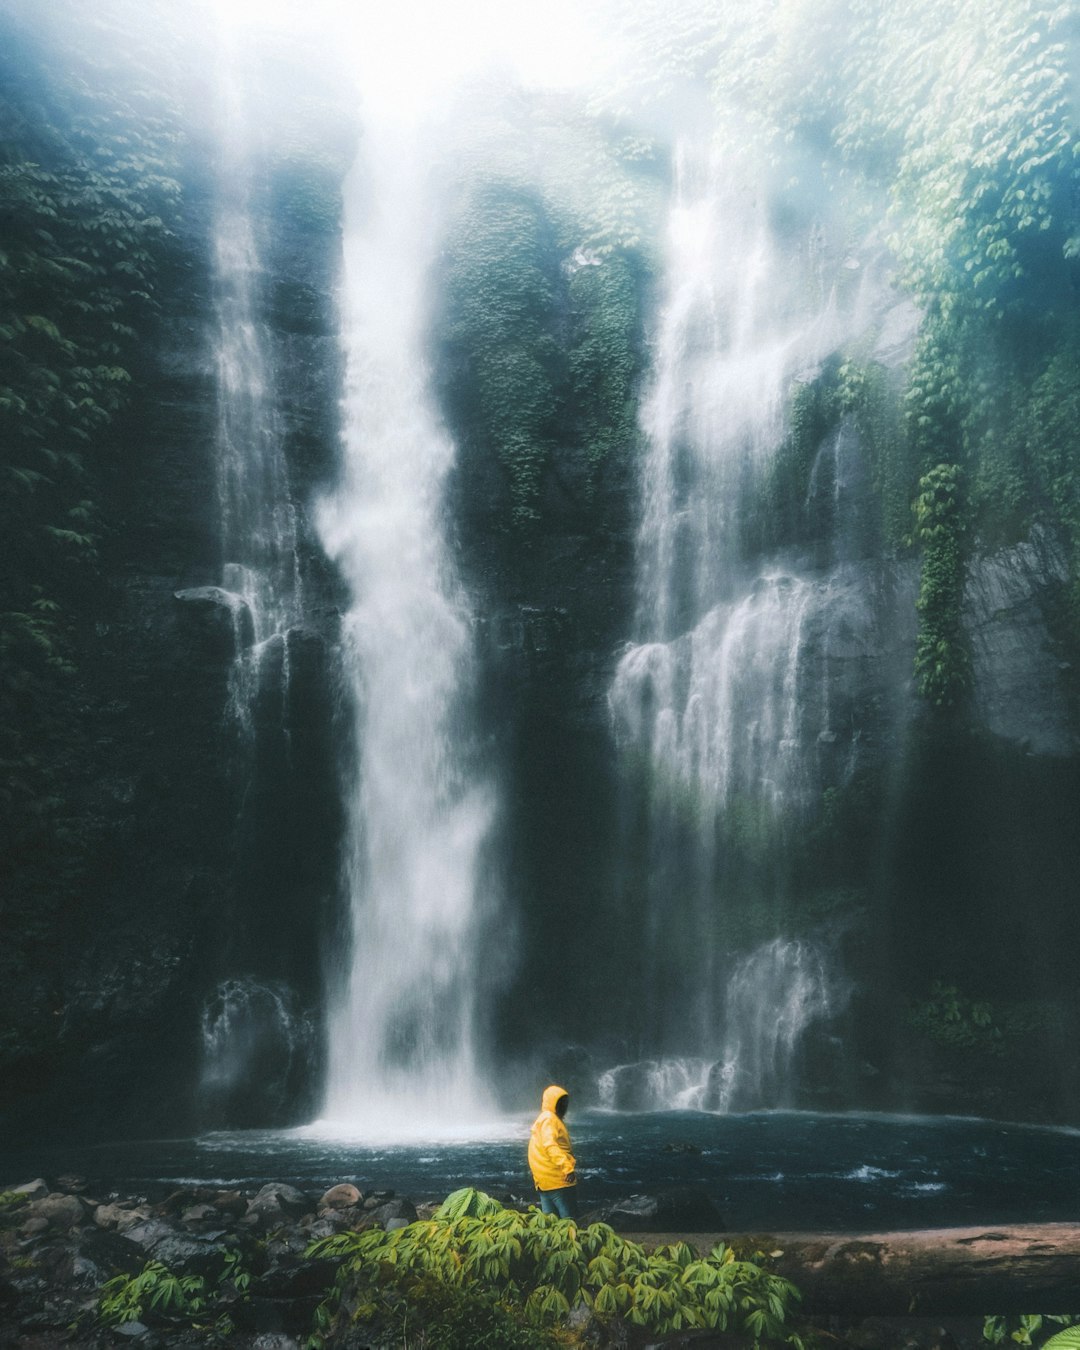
<point x="158" y="1294"/>
<point x="128" y="1298"/>
<point x="539" y="352"/>
<point x="942" y="660"/>
<point x="1020" y="1330"/>
<point x="547" y="1266"/>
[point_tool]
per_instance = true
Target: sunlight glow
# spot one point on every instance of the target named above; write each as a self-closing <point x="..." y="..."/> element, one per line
<point x="409" y="54"/>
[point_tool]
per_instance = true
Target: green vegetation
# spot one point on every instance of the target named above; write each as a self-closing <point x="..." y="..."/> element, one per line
<point x="157" y="1294"/>
<point x="953" y="1020"/>
<point x="942" y="660"/>
<point x="499" y="330"/>
<point x="1020" y="1330"/>
<point x="542" y="354"/>
<point x="521" y="1275"/>
<point x="86" y="183"/>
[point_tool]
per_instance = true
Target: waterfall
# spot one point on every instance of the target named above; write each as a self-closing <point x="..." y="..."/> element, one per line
<point x="260" y="568"/>
<point x="403" y="1034"/>
<point x="721" y="697"/>
<point x="774" y="996"/>
<point x="255" y="1041"/>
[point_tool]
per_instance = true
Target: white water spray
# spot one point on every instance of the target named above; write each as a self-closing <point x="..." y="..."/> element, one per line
<point x="403" y="1032"/>
<point x="260" y="570"/>
<point x="713" y="695"/>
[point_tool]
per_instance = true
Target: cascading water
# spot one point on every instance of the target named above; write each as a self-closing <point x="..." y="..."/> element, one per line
<point x="403" y="1033"/>
<point x="260" y="569"/>
<point x="713" y="697"/>
<point x="259" y="583"/>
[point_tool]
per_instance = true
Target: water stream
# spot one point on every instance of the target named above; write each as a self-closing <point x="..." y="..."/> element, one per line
<point x="718" y="692"/>
<point x="403" y="1037"/>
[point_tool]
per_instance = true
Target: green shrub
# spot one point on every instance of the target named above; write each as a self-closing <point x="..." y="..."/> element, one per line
<point x="539" y="1268"/>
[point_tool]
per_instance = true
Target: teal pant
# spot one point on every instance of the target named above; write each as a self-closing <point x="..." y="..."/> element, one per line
<point x="562" y="1202"/>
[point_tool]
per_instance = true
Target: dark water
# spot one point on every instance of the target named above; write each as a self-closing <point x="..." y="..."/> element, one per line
<point x="770" y="1170"/>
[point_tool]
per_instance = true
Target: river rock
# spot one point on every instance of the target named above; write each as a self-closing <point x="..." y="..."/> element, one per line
<point x="344" y="1196"/>
<point x="393" y="1210"/>
<point x="33" y="1190"/>
<point x="230" y="1202"/>
<point x="62" y="1212"/>
<point x="278" y="1201"/>
<point x="200" y="1214"/>
<point x="677" y="1209"/>
<point x="149" y="1232"/>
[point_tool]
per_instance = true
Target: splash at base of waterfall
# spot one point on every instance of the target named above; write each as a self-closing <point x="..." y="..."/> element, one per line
<point x="775" y="997"/>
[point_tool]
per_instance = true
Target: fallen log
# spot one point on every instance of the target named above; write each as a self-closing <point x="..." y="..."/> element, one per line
<point x="1017" y="1268"/>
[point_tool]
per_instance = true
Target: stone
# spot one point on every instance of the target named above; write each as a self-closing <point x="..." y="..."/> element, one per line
<point x="149" y="1231"/>
<point x="133" y="1216"/>
<point x="109" y="1216"/>
<point x="132" y="1330"/>
<point x="70" y="1184"/>
<point x="33" y="1190"/>
<point x="399" y="1208"/>
<point x="62" y="1212"/>
<point x="344" y="1196"/>
<point x="33" y="1226"/>
<point x="277" y="1201"/>
<point x="200" y="1214"/>
<point x="219" y="618"/>
<point x="677" y="1209"/>
<point x="230" y="1202"/>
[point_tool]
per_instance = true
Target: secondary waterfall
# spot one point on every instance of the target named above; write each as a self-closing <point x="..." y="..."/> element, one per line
<point x="712" y="697"/>
<point x="403" y="1037"/>
<point x="260" y="569"/>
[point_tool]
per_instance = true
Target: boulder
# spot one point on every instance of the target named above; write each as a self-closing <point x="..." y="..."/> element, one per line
<point x="230" y="1202"/>
<point x="278" y="1201"/>
<point x="678" y="1209"/>
<point x="62" y="1212"/>
<point x="218" y="618"/>
<point x="149" y="1232"/>
<point x="33" y="1190"/>
<point x="393" y="1210"/>
<point x="200" y="1214"/>
<point x="344" y="1196"/>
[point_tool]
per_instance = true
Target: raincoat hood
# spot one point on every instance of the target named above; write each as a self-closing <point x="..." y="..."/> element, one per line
<point x="551" y="1161"/>
<point x="551" y="1097"/>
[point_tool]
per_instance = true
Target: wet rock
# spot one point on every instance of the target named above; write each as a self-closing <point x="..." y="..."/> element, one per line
<point x="149" y="1232"/>
<point x="376" y="1198"/>
<point x="133" y="1217"/>
<point x="71" y="1184"/>
<point x="396" y="1209"/>
<point x="681" y="1209"/>
<point x="33" y="1190"/>
<point x="198" y="1254"/>
<point x="218" y="618"/>
<point x="344" y="1196"/>
<point x="131" y="1330"/>
<point x="110" y="1251"/>
<point x="61" y="1212"/>
<point x="230" y="1202"/>
<point x="278" y="1201"/>
<point x="200" y="1214"/>
<point x="33" y="1226"/>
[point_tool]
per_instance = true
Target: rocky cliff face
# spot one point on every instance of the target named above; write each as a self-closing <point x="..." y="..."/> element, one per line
<point x="196" y="856"/>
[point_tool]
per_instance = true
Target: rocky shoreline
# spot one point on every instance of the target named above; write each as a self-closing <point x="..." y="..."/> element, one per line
<point x="247" y="1250"/>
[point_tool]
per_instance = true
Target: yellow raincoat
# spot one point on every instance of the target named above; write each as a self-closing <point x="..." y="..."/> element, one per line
<point x="550" y="1159"/>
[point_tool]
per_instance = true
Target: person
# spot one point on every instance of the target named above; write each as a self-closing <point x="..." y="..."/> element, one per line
<point x="551" y="1162"/>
